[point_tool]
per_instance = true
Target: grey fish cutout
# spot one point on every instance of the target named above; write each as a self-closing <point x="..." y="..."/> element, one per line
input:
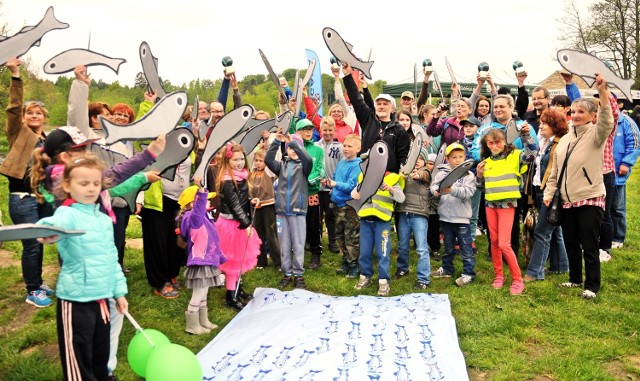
<point x="194" y="110"/>
<point x="67" y="61"/>
<point x="150" y="70"/>
<point x="272" y="74"/>
<point x="33" y="231"/>
<point x="251" y="138"/>
<point x="296" y="86"/>
<point x="439" y="159"/>
<point x="226" y="129"/>
<point x="342" y="50"/>
<point x="436" y="82"/>
<point x="21" y="42"/>
<point x="585" y="65"/>
<point x="373" y="169"/>
<point x="450" y="69"/>
<point x="178" y="147"/>
<point x="414" y="152"/>
<point x="309" y="73"/>
<point x="513" y="132"/>
<point x="298" y="98"/>
<point x="161" y="119"/>
<point x="456" y="174"/>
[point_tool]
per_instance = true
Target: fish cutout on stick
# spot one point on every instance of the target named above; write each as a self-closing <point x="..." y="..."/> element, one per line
<point x="272" y="74"/>
<point x="456" y="174"/>
<point x="29" y="36"/>
<point x="373" y="170"/>
<point x="439" y="159"/>
<point x="450" y="69"/>
<point x="585" y="66"/>
<point x="150" y="70"/>
<point x="251" y="138"/>
<point x="66" y="61"/>
<point x="513" y="131"/>
<point x="414" y="152"/>
<point x="162" y="118"/>
<point x="226" y="129"/>
<point x="179" y="144"/>
<point x="309" y="73"/>
<point x="33" y="231"/>
<point x="343" y="51"/>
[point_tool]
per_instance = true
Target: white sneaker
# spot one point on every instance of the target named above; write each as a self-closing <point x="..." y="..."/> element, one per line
<point x="604" y="256"/>
<point x="383" y="287"/>
<point x="464" y="280"/>
<point x="588" y="294"/>
<point x="617" y="245"/>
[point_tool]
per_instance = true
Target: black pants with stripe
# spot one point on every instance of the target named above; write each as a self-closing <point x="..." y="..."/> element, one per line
<point x="83" y="339"/>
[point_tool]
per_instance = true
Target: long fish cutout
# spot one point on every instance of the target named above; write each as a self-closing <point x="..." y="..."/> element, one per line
<point x="309" y="73"/>
<point x="67" y="61"/>
<point x="162" y="118"/>
<point x="226" y="129"/>
<point x="29" y="36"/>
<point x="373" y="169"/>
<point x="272" y="74"/>
<point x="456" y="174"/>
<point x="513" y="132"/>
<point x="586" y="65"/>
<point x="342" y="50"/>
<point x="33" y="231"/>
<point x="150" y="70"/>
<point x="251" y="138"/>
<point x="439" y="159"/>
<point x="179" y="144"/>
<point x="414" y="152"/>
<point x="450" y="69"/>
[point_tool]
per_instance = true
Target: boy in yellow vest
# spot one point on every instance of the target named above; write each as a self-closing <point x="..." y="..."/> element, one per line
<point x="375" y="226"/>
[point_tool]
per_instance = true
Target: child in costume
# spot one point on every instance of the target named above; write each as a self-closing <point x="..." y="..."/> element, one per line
<point x="239" y="241"/>
<point x="204" y="256"/>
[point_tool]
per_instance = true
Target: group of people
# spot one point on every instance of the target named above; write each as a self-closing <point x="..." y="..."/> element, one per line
<point x="264" y="205"/>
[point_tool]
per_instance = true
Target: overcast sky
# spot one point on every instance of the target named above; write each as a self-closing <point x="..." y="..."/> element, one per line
<point x="190" y="37"/>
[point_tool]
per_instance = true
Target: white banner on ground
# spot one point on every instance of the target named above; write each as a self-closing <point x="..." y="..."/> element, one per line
<point x="303" y="336"/>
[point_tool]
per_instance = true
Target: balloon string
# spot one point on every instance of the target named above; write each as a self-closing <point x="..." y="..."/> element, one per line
<point x="138" y="328"/>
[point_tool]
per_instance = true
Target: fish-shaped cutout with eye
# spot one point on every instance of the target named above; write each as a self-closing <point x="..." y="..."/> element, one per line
<point x="373" y="169"/>
<point x="67" y="61"/>
<point x="272" y="74"/>
<point x="194" y="110"/>
<point x="342" y="50"/>
<point x="456" y="173"/>
<point x="250" y="139"/>
<point x="586" y="65"/>
<point x="150" y="70"/>
<point x="161" y="119"/>
<point x="439" y="160"/>
<point x="226" y="129"/>
<point x="179" y="143"/>
<point x="21" y="42"/>
<point x="414" y="151"/>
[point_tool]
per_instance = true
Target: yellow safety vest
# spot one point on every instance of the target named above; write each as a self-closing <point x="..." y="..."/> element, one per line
<point x="380" y="205"/>
<point x="502" y="177"/>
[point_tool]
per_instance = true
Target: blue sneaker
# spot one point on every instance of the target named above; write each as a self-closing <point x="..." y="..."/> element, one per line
<point x="38" y="298"/>
<point x="47" y="290"/>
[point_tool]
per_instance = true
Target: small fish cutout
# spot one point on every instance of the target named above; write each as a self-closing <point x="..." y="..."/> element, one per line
<point x="67" y="61"/>
<point x="150" y="70"/>
<point x="342" y="50"/>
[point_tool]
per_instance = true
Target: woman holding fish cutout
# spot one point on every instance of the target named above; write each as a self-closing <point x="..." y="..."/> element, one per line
<point x="583" y="190"/>
<point x="24" y="130"/>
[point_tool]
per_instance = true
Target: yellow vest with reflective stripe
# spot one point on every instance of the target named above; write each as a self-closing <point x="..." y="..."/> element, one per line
<point x="502" y="177"/>
<point x="380" y="205"/>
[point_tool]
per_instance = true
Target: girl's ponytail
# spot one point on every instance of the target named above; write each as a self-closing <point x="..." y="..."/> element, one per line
<point x="39" y="162"/>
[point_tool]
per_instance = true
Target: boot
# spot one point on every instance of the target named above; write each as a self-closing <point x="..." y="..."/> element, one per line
<point x="344" y="269"/>
<point x="232" y="302"/>
<point x="353" y="271"/>
<point x="243" y="295"/>
<point x="193" y="324"/>
<point x="204" y="319"/>
<point x="314" y="263"/>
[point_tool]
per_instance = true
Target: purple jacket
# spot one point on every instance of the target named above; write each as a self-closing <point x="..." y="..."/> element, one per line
<point x="203" y="243"/>
<point x="448" y="128"/>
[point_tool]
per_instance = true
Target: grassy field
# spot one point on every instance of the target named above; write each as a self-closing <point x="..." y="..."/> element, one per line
<point x="548" y="333"/>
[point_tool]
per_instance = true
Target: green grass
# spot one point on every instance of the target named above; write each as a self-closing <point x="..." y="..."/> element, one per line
<point x="548" y="333"/>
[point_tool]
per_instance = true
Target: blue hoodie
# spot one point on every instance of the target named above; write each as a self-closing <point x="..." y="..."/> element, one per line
<point x="346" y="178"/>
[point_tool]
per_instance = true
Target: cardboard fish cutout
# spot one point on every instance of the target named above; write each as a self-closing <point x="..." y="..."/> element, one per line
<point x="150" y="70"/>
<point x="272" y="74"/>
<point x="439" y="159"/>
<point x="450" y="69"/>
<point x="162" y="118"/>
<point x="414" y="152"/>
<point x="373" y="169"/>
<point x="226" y="129"/>
<point x="33" y="231"/>
<point x="21" y="42"/>
<point x="67" y="61"/>
<point x="585" y="66"/>
<point x="252" y="137"/>
<point x="342" y="50"/>
<point x="513" y="131"/>
<point x="456" y="174"/>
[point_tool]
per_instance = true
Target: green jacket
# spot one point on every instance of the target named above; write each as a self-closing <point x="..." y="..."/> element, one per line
<point x="317" y="172"/>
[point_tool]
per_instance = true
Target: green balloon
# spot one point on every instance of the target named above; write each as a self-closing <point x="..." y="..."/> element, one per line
<point x="172" y="362"/>
<point x="140" y="349"/>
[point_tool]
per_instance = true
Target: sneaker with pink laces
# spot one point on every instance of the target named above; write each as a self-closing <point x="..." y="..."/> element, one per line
<point x="516" y="288"/>
<point x="498" y="283"/>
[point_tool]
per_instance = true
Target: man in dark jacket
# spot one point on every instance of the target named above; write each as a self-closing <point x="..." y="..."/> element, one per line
<point x="378" y="124"/>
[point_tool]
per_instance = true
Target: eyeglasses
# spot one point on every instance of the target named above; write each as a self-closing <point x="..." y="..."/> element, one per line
<point x="121" y="115"/>
<point x="537" y="99"/>
<point x="29" y="103"/>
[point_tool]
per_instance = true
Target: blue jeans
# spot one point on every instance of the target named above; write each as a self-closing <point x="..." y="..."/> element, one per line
<point x="413" y="223"/>
<point x="475" y="211"/>
<point x="375" y="235"/>
<point x="547" y="238"/>
<point x="619" y="213"/>
<point x="460" y="233"/>
<point x="120" y="230"/>
<point x="26" y="210"/>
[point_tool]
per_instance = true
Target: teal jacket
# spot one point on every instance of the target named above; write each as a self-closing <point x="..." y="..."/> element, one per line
<point x="317" y="172"/>
<point x="90" y="269"/>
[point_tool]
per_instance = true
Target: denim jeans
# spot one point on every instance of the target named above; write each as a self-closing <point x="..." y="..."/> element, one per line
<point x="460" y="233"/>
<point x="413" y="223"/>
<point x="26" y="210"/>
<point x="475" y="211"/>
<point x="546" y="236"/>
<point x="619" y="213"/>
<point x="375" y="235"/>
<point x="120" y="230"/>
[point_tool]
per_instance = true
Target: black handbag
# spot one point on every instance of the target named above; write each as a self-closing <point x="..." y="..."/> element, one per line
<point x="554" y="214"/>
